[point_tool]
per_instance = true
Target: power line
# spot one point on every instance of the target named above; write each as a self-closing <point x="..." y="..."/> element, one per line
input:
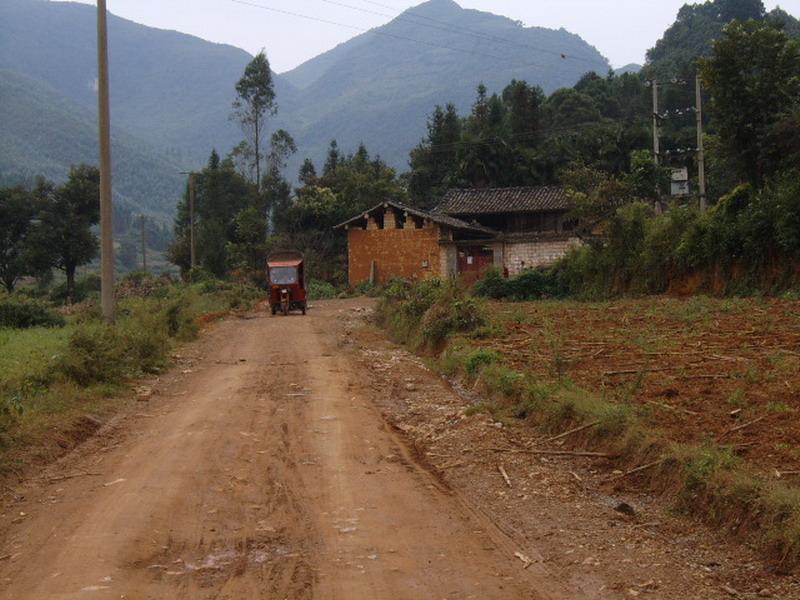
<point x="407" y="16"/>
<point x="417" y="19"/>
<point x="362" y="29"/>
<point x="388" y="34"/>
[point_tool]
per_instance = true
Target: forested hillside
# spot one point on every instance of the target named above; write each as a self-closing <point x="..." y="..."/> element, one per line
<point x="44" y="132"/>
<point x="174" y="91"/>
<point x="698" y="25"/>
<point x="378" y="87"/>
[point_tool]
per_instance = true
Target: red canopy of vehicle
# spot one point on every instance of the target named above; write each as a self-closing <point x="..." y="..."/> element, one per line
<point x="285" y="263"/>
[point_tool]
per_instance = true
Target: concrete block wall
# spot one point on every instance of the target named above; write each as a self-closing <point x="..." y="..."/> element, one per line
<point x="531" y="255"/>
<point x="406" y="253"/>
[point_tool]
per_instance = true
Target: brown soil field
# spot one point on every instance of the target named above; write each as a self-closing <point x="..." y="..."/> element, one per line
<point x="703" y="370"/>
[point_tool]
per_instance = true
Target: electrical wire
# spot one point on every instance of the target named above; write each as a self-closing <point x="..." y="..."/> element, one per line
<point x="388" y="34"/>
<point x="445" y="26"/>
<point x="362" y="29"/>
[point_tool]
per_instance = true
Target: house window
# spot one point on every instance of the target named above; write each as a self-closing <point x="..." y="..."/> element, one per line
<point x="538" y="222"/>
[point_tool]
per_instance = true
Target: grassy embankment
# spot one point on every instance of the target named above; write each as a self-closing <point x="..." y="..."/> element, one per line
<point x="60" y="377"/>
<point x="706" y="478"/>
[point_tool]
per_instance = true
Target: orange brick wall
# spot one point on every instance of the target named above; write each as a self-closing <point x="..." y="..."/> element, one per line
<point x="397" y="253"/>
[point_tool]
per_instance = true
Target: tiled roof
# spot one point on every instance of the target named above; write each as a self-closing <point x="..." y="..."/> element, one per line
<point x="436" y="217"/>
<point x="503" y="200"/>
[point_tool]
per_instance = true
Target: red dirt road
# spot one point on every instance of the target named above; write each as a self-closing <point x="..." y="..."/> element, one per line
<point x="263" y="471"/>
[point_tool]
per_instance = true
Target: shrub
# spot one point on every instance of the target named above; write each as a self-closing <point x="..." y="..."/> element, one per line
<point x="94" y="354"/>
<point x="535" y="285"/>
<point x="85" y="287"/>
<point x="18" y="312"/>
<point x="143" y="285"/>
<point x="493" y="285"/>
<point x="321" y="290"/>
<point x="476" y="360"/>
<point x="426" y="312"/>
<point x="447" y="316"/>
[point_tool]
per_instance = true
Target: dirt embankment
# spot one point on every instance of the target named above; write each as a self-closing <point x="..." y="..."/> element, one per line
<point x="703" y="367"/>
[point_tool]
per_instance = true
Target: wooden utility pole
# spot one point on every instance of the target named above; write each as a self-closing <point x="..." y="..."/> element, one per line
<point x="106" y="229"/>
<point x="192" y="253"/>
<point x="701" y="156"/>
<point x="656" y="117"/>
<point x="144" y="249"/>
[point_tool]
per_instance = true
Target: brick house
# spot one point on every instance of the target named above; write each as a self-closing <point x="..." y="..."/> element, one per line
<point x="512" y="229"/>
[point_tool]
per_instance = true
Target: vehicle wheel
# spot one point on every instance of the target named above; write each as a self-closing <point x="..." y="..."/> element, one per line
<point x="274" y="310"/>
<point x="304" y="309"/>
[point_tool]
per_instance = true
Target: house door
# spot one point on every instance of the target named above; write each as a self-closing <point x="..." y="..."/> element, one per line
<point x="473" y="262"/>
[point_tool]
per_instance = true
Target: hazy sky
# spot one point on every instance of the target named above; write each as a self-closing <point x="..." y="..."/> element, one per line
<point x="622" y="30"/>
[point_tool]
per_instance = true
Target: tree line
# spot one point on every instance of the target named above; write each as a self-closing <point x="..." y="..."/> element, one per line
<point x="595" y="138"/>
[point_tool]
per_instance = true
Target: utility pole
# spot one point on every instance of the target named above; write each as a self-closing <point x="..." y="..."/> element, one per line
<point x="144" y="248"/>
<point x="106" y="228"/>
<point x="192" y="254"/>
<point x="656" y="117"/>
<point x="656" y="138"/>
<point x="701" y="155"/>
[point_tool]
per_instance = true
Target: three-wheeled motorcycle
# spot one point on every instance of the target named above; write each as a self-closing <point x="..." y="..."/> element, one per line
<point x="286" y="281"/>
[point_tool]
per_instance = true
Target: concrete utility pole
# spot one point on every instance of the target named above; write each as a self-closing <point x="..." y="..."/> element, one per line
<point x="192" y="254"/>
<point x="701" y="156"/>
<point x="144" y="248"/>
<point x="106" y="229"/>
<point x="656" y="137"/>
<point x="656" y="117"/>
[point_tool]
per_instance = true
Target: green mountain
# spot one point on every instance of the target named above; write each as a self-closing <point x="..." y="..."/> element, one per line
<point x="43" y="133"/>
<point x="172" y="90"/>
<point x="380" y="86"/>
<point x="629" y="68"/>
<point x="171" y="93"/>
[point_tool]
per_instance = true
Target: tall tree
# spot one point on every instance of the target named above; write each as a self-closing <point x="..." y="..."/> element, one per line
<point x="434" y="161"/>
<point x="308" y="172"/>
<point x="332" y="161"/>
<point x="221" y="194"/>
<point x="17" y="210"/>
<point x="254" y="103"/>
<point x="276" y="190"/>
<point x="754" y="80"/>
<point x="66" y="219"/>
<point x="525" y="104"/>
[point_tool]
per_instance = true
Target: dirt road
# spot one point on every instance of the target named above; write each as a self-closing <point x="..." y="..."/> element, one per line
<point x="261" y="469"/>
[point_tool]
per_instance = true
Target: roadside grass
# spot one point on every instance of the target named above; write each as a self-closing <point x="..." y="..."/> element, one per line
<point x="54" y="378"/>
<point x="708" y="481"/>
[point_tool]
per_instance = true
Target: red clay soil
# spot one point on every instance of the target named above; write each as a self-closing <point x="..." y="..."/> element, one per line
<point x="704" y="367"/>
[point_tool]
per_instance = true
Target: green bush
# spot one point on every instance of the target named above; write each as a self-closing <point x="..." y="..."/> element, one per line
<point x="528" y="285"/>
<point x="426" y="312"/>
<point x="84" y="287"/>
<point x="478" y="359"/>
<point x="492" y="285"/>
<point x="94" y="354"/>
<point x="321" y="290"/>
<point x="19" y="312"/>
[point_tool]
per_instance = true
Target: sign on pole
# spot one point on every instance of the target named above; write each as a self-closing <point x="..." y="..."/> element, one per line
<point x="680" y="182"/>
